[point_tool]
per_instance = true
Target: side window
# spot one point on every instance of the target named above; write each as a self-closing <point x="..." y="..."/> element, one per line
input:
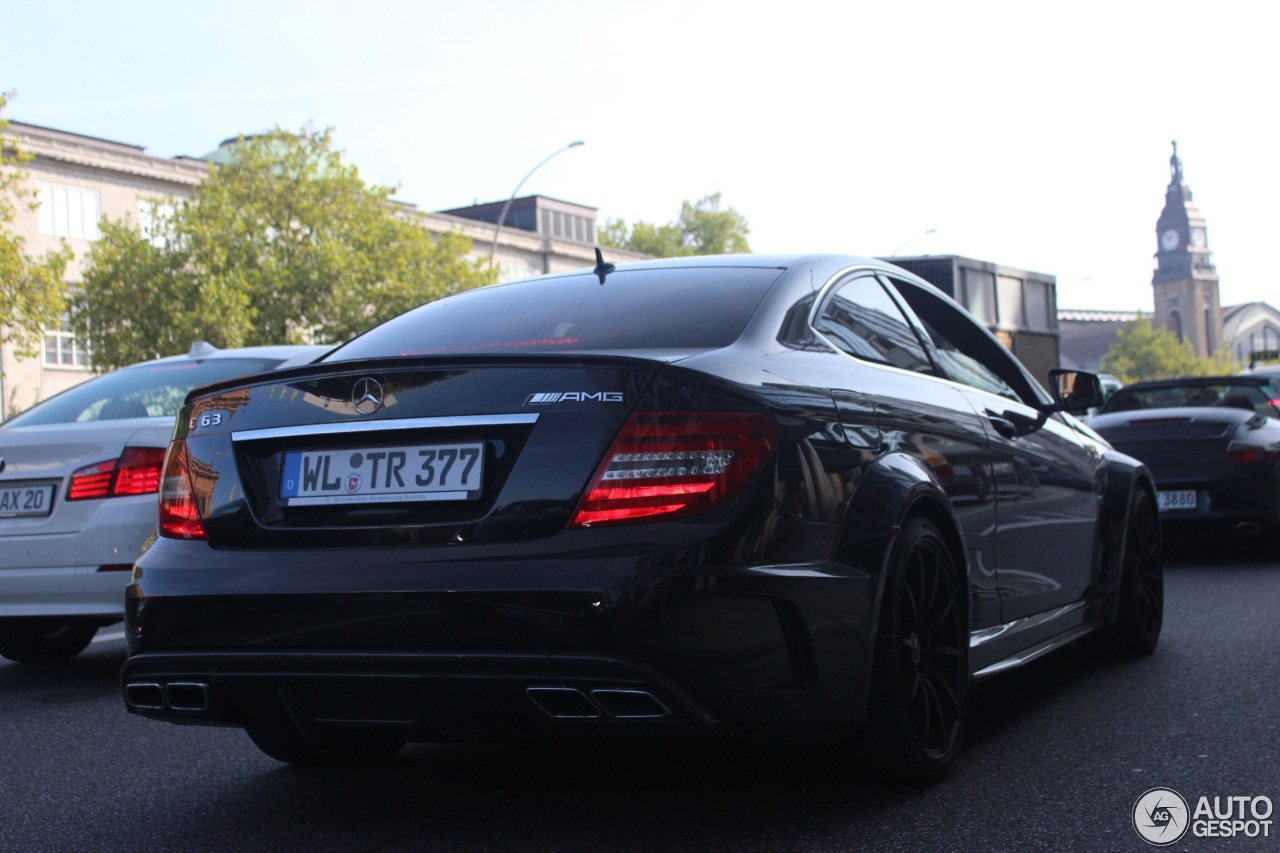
<point x="861" y="319"/>
<point x="964" y="351"/>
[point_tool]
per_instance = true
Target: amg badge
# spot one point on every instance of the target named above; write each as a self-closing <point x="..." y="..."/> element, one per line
<point x="548" y="397"/>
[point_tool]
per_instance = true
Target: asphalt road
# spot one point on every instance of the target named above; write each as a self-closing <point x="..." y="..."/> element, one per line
<point x="1057" y="755"/>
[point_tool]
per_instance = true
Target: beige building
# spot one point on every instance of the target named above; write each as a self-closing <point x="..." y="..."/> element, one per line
<point x="81" y="179"/>
<point x="78" y="180"/>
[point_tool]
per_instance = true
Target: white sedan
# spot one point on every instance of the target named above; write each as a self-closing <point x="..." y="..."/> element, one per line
<point x="79" y="475"/>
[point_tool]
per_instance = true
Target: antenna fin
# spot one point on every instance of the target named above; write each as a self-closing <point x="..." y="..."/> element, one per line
<point x="602" y="269"/>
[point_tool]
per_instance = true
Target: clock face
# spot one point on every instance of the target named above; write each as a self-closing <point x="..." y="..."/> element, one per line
<point x="1169" y="240"/>
<point x="1197" y="238"/>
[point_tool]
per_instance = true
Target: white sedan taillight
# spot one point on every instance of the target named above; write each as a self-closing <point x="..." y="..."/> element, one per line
<point x="136" y="472"/>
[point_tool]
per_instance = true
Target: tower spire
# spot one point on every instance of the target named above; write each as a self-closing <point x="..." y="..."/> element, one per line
<point x="1185" y="283"/>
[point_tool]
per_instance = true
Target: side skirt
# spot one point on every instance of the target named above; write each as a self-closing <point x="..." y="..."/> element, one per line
<point x="1013" y="644"/>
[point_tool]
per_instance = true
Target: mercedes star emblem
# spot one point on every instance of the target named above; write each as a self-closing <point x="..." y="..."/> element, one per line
<point x="366" y="396"/>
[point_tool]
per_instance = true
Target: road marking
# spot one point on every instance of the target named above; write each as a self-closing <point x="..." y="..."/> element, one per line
<point x="102" y="638"/>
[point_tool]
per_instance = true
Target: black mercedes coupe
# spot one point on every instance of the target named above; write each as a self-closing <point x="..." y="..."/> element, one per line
<point x="742" y="495"/>
<point x="1213" y="444"/>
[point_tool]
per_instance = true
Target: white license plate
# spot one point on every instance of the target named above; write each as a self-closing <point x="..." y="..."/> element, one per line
<point x="1176" y="500"/>
<point x="419" y="472"/>
<point x="26" y="500"/>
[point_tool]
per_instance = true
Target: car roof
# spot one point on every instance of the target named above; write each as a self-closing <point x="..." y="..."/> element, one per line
<point x="283" y="352"/>
<point x="743" y="261"/>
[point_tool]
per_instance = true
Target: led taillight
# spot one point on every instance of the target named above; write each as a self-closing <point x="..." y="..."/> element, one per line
<point x="1240" y="453"/>
<point x="92" y="481"/>
<point x="136" y="472"/>
<point x="179" y="515"/>
<point x="674" y="464"/>
<point x="139" y="471"/>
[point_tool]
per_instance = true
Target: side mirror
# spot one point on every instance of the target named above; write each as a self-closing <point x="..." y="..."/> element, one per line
<point x="1075" y="390"/>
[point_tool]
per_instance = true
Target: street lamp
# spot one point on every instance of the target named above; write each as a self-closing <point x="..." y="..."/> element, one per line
<point x="506" y="207"/>
<point x="912" y="240"/>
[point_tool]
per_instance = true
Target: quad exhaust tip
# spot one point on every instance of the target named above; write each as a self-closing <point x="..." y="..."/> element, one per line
<point x="616" y="703"/>
<point x="144" y="696"/>
<point x="187" y="696"/>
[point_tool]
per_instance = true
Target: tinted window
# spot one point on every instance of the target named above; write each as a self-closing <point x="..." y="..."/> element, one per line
<point x="144" y="390"/>
<point x="861" y="319"/>
<point x="965" y="351"/>
<point x="1250" y="397"/>
<point x="640" y="309"/>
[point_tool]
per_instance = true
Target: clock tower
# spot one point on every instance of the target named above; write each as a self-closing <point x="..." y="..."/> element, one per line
<point x="1185" y="281"/>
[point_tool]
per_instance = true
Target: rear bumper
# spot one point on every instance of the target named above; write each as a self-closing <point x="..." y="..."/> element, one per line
<point x="80" y="573"/>
<point x="72" y="591"/>
<point x="482" y="647"/>
<point x="1227" y="505"/>
<point x="415" y="696"/>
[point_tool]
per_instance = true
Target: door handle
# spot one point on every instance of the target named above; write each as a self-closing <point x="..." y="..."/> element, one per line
<point x="1015" y="424"/>
<point x="1003" y="425"/>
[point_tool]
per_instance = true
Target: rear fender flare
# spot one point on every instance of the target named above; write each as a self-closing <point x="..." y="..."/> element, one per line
<point x="1122" y="479"/>
<point x="894" y="488"/>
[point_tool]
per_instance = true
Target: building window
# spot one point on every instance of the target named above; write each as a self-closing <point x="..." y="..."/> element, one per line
<point x="154" y="220"/>
<point x="1039" y="315"/>
<point x="1010" y="305"/>
<point x="980" y="295"/>
<point x="68" y="212"/>
<point x="61" y="349"/>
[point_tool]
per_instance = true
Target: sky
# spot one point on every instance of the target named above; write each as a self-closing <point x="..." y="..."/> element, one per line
<point x="1029" y="134"/>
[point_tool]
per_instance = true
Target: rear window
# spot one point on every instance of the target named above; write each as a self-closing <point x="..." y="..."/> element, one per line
<point x="140" y="391"/>
<point x="639" y="309"/>
<point x="1250" y="397"/>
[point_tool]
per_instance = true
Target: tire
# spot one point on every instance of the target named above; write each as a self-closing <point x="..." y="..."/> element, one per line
<point x="44" y="640"/>
<point x="1140" y="614"/>
<point x="920" y="683"/>
<point x="291" y="747"/>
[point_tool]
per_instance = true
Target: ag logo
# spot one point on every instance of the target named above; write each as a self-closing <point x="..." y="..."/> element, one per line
<point x="1161" y="817"/>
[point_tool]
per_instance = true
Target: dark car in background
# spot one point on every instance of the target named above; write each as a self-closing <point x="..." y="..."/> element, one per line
<point x="725" y="495"/>
<point x="1213" y="444"/>
<point x="79" y="475"/>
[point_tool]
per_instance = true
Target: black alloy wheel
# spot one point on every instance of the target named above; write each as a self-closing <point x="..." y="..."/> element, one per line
<point x="920" y="687"/>
<point x="1140" y="613"/>
<point x="287" y="744"/>
<point x="44" y="640"/>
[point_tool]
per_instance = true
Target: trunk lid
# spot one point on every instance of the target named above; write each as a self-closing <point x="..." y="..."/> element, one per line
<point x="405" y="450"/>
<point x="1179" y="440"/>
<point x="38" y="462"/>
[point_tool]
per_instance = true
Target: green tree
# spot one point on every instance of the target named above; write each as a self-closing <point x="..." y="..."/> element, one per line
<point x="1143" y="352"/>
<point x="702" y="229"/>
<point x="283" y="243"/>
<point x="32" y="291"/>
